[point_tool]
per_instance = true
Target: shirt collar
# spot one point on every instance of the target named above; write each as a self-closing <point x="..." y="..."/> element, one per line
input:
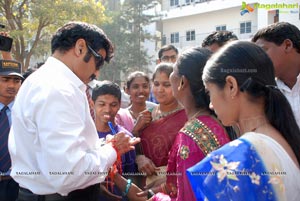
<point x="10" y="105"/>
<point x="282" y="86"/>
<point x="66" y="71"/>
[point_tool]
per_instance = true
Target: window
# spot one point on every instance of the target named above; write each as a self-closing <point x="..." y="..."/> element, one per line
<point x="189" y="1"/>
<point x="175" y="37"/>
<point x="221" y="28"/>
<point x="276" y="17"/>
<point x="245" y="27"/>
<point x="174" y="2"/>
<point x="190" y="35"/>
<point x="164" y="40"/>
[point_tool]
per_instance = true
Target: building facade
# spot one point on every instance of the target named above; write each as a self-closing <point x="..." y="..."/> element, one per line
<point x="185" y="23"/>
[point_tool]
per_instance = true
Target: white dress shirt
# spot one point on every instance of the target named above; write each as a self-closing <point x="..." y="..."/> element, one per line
<point x="293" y="96"/>
<point x="53" y="141"/>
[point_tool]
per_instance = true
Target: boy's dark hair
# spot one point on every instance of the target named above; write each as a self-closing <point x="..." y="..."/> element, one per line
<point x="106" y="88"/>
<point x="219" y="37"/>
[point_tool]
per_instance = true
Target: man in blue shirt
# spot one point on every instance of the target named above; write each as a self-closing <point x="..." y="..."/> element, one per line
<point x="10" y="82"/>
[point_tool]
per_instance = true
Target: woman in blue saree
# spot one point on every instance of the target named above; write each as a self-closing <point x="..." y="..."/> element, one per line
<point x="263" y="163"/>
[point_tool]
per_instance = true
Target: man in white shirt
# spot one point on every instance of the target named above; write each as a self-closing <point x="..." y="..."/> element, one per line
<point x="281" y="41"/>
<point x="55" y="150"/>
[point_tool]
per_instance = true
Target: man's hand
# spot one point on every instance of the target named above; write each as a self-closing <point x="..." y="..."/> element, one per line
<point x="122" y="142"/>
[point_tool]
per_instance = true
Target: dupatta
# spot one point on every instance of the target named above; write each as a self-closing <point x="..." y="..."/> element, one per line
<point x="253" y="167"/>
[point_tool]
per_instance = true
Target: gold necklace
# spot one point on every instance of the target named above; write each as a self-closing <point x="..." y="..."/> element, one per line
<point x="133" y="114"/>
<point x="159" y="114"/>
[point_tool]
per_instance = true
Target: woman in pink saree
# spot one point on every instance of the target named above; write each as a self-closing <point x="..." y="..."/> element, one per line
<point x="200" y="135"/>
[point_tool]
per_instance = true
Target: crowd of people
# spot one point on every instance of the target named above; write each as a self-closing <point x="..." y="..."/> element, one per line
<point x="216" y="122"/>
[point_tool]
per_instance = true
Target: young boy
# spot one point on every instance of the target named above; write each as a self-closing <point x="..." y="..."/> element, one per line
<point x="106" y="97"/>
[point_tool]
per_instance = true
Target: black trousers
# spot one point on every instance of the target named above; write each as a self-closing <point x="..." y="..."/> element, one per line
<point x="88" y="194"/>
<point x="8" y="190"/>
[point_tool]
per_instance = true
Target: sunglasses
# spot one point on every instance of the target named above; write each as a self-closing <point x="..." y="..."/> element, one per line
<point x="98" y="58"/>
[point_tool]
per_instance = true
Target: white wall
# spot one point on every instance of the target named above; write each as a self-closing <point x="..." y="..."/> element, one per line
<point x="205" y="23"/>
<point x="150" y="45"/>
<point x="204" y="17"/>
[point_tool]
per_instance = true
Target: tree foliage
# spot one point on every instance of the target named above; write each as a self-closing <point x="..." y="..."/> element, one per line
<point x="127" y="32"/>
<point x="32" y="22"/>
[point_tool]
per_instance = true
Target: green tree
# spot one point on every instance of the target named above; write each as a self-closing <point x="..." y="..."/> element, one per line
<point x="136" y="15"/>
<point x="32" y="22"/>
<point x="126" y="30"/>
<point x="118" y="64"/>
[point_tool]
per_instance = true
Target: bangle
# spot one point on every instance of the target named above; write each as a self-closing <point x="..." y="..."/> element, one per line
<point x="129" y="182"/>
<point x="150" y="193"/>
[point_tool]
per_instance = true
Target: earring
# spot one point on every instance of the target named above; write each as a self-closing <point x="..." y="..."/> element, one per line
<point x="181" y="84"/>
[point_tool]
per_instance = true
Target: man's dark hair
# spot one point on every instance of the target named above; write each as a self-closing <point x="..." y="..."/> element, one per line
<point x="219" y="37"/>
<point x="278" y="32"/>
<point x="65" y="38"/>
<point x="166" y="48"/>
<point x="106" y="88"/>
